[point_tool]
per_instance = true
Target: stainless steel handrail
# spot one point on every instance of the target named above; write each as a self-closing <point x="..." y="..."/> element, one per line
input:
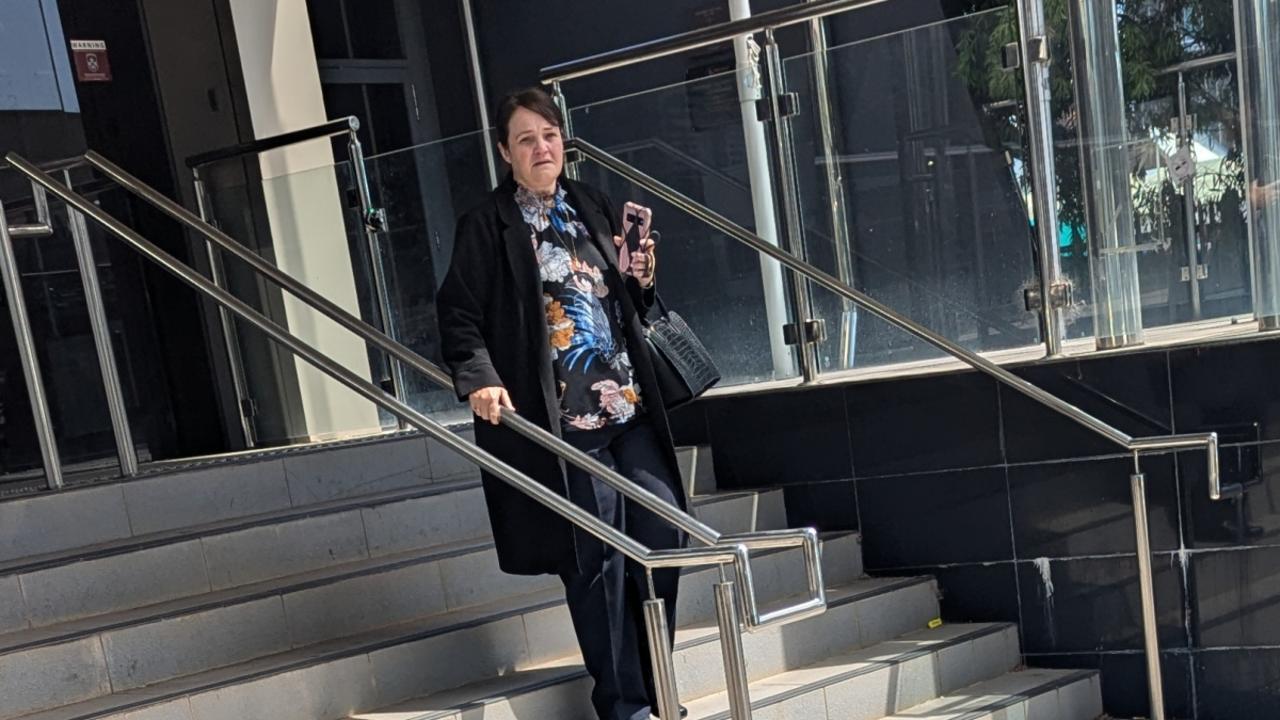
<point x="1207" y="441"/>
<point x="723" y="554"/>
<point x="695" y="39"/>
<point x="804" y="538"/>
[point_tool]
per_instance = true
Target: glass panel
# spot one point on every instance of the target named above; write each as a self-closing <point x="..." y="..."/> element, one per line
<point x="307" y="223"/>
<point x="424" y="189"/>
<point x="690" y="136"/>
<point x="1207" y="159"/>
<point x="932" y="204"/>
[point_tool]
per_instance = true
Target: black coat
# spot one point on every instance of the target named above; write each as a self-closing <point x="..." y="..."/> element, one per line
<point x="493" y="332"/>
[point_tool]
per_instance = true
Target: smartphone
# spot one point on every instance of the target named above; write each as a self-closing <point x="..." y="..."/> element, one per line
<point x="635" y="225"/>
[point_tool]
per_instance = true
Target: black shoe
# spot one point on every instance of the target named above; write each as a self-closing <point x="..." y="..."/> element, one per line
<point x="684" y="712"/>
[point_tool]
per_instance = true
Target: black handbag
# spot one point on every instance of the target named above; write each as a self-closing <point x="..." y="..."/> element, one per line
<point x="684" y="368"/>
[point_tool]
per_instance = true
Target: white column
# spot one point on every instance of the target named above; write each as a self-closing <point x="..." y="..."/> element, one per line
<point x="304" y="203"/>
<point x="749" y="91"/>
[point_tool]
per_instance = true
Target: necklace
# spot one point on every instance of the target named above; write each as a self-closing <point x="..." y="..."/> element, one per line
<point x="546" y="207"/>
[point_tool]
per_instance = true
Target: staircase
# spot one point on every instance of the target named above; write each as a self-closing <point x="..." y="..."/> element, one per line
<point x="357" y="581"/>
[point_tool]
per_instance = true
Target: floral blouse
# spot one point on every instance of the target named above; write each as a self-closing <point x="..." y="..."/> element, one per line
<point x="595" y="381"/>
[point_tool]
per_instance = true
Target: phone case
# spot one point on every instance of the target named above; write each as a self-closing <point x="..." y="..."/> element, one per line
<point x="636" y="221"/>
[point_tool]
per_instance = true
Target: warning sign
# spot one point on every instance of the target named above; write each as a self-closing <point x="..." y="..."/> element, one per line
<point x="91" y="60"/>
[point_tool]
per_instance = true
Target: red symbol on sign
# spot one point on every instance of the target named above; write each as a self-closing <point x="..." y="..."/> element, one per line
<point x="92" y="64"/>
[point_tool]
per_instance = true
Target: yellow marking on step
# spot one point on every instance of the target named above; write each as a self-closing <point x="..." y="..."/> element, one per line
<point x="935" y="623"/>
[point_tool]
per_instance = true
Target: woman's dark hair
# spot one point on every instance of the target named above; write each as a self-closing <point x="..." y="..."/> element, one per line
<point x="534" y="99"/>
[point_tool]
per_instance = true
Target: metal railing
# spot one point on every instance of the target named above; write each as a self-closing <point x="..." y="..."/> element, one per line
<point x="700" y="38"/>
<point x="373" y="219"/>
<point x="95" y="311"/>
<point x="736" y="601"/>
<point x="1054" y="290"/>
<point x="1136" y="445"/>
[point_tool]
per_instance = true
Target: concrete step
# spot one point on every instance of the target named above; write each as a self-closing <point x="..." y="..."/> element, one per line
<point x="382" y="667"/>
<point x="697" y="470"/>
<point x="737" y="512"/>
<point x="176" y="496"/>
<point x="855" y="685"/>
<point x="140" y="647"/>
<point x="162" y="567"/>
<point x="1032" y="694"/>
<point x="142" y="570"/>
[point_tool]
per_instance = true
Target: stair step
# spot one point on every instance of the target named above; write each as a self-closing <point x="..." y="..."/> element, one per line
<point x="888" y="675"/>
<point x="457" y="648"/>
<point x="140" y="572"/>
<point x="131" y="649"/>
<point x="1033" y="694"/>
<point x="218" y="490"/>
<point x="156" y="569"/>
<point x="697" y="470"/>
<point x="739" y="512"/>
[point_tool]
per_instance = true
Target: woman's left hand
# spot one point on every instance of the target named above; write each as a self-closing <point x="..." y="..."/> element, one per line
<point x="641" y="264"/>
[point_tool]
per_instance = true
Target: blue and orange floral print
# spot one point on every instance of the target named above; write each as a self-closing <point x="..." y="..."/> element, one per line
<point x="596" y="381"/>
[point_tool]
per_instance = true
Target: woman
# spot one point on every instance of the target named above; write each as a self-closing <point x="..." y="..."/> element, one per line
<point x="536" y="317"/>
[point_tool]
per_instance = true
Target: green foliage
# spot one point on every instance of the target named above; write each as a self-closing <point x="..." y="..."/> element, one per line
<point x="1153" y="34"/>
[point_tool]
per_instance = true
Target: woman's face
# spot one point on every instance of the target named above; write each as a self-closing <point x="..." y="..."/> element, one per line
<point x="534" y="149"/>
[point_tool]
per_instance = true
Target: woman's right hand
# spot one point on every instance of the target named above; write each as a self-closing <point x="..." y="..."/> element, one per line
<point x="487" y="403"/>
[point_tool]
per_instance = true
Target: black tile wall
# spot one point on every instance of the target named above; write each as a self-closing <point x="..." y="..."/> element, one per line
<point x="1124" y="681"/>
<point x="1227" y="386"/>
<point x="1092" y="604"/>
<point x="1239" y="684"/>
<point x="904" y="518"/>
<point x="1130" y="392"/>
<point x="926" y="425"/>
<point x="1236" y="597"/>
<point x="826" y="506"/>
<point x="985" y="493"/>
<point x="985" y="592"/>
<point x="1250" y="516"/>
<point x="806" y="434"/>
<point x="1086" y="507"/>
<point x="689" y="423"/>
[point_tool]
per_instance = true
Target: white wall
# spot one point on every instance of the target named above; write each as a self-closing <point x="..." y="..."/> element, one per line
<point x="303" y="202"/>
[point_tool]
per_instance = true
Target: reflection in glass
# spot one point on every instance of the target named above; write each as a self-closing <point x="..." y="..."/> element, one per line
<point x="1104" y="172"/>
<point x="1187" y="187"/>
<point x="308" y="224"/>
<point x="931" y="153"/>
<point x="690" y="137"/>
<point x="1258" y="23"/>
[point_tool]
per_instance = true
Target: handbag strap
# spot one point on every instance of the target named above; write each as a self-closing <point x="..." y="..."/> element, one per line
<point x="662" y="307"/>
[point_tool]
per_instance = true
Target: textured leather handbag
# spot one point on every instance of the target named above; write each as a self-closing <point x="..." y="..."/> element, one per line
<point x="684" y="368"/>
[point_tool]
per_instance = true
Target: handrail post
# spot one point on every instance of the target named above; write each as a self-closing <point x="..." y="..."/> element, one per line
<point x="1035" y="72"/>
<point x="477" y="86"/>
<point x="373" y="221"/>
<point x="664" y="669"/>
<point x="562" y="102"/>
<point x="836" y="210"/>
<point x="788" y="201"/>
<point x="97" y="312"/>
<point x="230" y="341"/>
<point x="27" y="354"/>
<point x="1146" y="583"/>
<point x="735" y="662"/>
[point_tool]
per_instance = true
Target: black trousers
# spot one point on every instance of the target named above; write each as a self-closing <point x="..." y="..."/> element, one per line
<point x="605" y="590"/>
